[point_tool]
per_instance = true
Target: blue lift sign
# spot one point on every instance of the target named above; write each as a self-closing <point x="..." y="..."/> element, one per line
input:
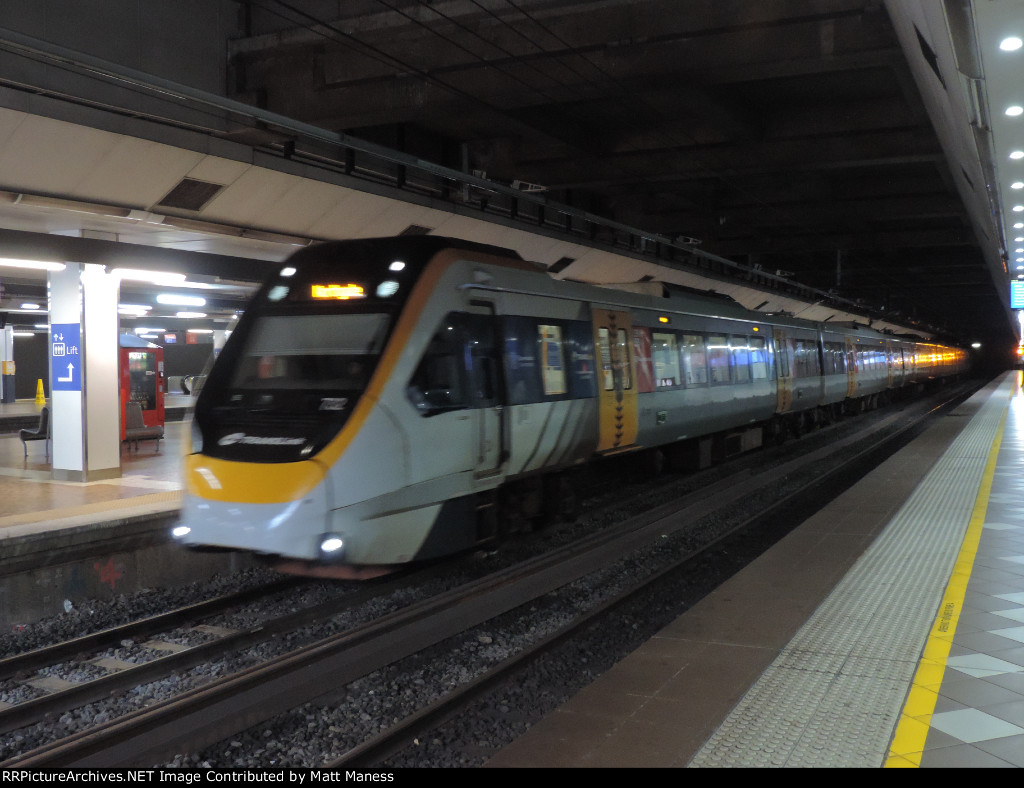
<point x="65" y="357"/>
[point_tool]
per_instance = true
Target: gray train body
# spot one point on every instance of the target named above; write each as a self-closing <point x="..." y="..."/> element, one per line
<point x="392" y="400"/>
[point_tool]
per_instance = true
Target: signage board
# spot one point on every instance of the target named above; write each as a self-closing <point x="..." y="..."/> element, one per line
<point x="1017" y="294"/>
<point x="65" y="357"/>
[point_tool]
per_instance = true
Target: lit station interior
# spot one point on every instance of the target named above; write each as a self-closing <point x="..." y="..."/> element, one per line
<point x="847" y="162"/>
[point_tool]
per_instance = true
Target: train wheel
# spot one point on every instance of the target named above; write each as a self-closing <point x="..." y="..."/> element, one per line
<point x="653" y="463"/>
<point x="512" y="518"/>
<point x="778" y="431"/>
<point x="560" y="501"/>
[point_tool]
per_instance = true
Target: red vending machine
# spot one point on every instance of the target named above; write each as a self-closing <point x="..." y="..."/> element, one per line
<point x="142" y="380"/>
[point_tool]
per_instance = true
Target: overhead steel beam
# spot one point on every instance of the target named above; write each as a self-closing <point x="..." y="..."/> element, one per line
<point x="25" y="245"/>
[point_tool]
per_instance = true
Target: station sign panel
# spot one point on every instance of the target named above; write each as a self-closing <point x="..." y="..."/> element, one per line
<point x="1017" y="294"/>
<point x="65" y="357"/>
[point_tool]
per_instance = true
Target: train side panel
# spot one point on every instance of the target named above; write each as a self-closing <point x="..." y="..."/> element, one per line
<point x="483" y="377"/>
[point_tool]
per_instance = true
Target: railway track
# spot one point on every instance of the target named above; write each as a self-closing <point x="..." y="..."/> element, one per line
<point x="660" y="541"/>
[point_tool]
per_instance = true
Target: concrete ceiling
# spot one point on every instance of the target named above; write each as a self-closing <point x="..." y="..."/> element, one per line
<point x="852" y="146"/>
<point x="793" y="135"/>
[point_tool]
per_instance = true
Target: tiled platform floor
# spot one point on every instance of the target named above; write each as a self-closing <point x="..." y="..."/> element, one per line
<point x="809" y="656"/>
<point x="978" y="717"/>
<point x="28" y="494"/>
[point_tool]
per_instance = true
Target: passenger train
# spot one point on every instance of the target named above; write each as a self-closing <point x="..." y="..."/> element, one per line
<point x="386" y="401"/>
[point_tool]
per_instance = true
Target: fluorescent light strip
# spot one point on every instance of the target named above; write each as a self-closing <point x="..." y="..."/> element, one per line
<point x="37" y="265"/>
<point x="156" y="277"/>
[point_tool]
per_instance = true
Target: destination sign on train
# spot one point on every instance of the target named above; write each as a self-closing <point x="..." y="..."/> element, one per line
<point x="337" y="291"/>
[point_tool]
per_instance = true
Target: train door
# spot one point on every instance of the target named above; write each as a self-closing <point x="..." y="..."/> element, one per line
<point x="851" y="368"/>
<point x="484" y="365"/>
<point x="784" y="382"/>
<point x="616" y="383"/>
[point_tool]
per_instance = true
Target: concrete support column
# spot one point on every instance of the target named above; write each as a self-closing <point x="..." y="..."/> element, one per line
<point x="84" y="393"/>
<point x="7" y="364"/>
<point x="220" y="336"/>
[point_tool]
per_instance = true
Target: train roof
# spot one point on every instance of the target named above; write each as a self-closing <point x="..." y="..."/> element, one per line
<point x="425" y="245"/>
<point x="658" y="289"/>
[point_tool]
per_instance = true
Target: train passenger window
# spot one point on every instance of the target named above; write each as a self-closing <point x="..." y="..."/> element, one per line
<point x="740" y="359"/>
<point x="582" y="371"/>
<point x="805" y="358"/>
<point x="718" y="360"/>
<point x="605" y="347"/>
<point x="436" y="385"/>
<point x="758" y="359"/>
<point x="481" y="358"/>
<point x="782" y="356"/>
<point x="642" y="357"/>
<point x="521" y="374"/>
<point x="665" y="356"/>
<point x="615" y="362"/>
<point x="694" y="357"/>
<point x="828" y="361"/>
<point x="551" y="359"/>
<point x="834" y="359"/>
<point x="620" y="358"/>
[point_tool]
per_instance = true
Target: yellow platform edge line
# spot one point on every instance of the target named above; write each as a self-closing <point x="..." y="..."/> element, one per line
<point x="912" y="729"/>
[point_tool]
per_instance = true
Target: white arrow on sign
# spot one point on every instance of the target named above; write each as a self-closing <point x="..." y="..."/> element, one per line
<point x="71" y="369"/>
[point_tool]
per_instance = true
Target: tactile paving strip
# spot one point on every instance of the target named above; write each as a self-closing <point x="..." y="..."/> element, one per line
<point x="834" y="695"/>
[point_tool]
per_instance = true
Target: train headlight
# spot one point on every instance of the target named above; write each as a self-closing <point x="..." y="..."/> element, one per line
<point x="331" y="546"/>
<point x="180" y="531"/>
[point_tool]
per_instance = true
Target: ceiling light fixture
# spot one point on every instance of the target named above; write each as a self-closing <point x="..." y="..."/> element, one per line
<point x="1015" y="110"/>
<point x="156" y="277"/>
<point x="1010" y="44"/>
<point x="133" y="309"/>
<point x="37" y="265"/>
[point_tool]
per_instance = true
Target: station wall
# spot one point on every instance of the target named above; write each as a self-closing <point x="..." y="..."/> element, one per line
<point x="31" y="363"/>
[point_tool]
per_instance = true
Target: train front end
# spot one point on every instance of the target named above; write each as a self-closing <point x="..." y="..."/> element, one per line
<point x="295" y="385"/>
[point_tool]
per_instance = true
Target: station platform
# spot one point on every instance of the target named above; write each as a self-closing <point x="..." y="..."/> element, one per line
<point x="885" y="631"/>
<point x="64" y="543"/>
<point x="30" y="500"/>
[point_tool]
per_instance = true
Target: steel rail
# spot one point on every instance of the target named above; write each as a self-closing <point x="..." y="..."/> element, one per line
<point x="396" y="738"/>
<point x="206" y="715"/>
<point x="56" y="652"/>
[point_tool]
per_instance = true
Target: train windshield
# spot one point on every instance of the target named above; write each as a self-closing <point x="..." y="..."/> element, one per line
<point x="292" y="384"/>
<point x="333" y="352"/>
